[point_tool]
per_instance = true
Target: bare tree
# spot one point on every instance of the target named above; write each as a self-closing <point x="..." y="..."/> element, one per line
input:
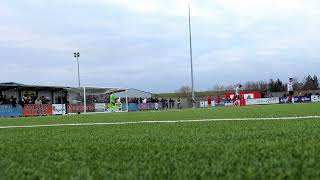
<point x="184" y="91"/>
<point x="230" y="87"/>
<point x="251" y="86"/>
<point x="297" y="84"/>
<point x="256" y="86"/>
<point x="218" y="88"/>
<point x="263" y="85"/>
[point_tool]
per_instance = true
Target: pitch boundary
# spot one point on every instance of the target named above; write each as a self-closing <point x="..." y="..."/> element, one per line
<point x="168" y="121"/>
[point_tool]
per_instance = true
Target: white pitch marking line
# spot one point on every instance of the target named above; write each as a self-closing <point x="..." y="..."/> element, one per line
<point x="156" y="122"/>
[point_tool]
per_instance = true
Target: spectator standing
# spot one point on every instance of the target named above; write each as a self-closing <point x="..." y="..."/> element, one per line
<point x="172" y="102"/>
<point x="1" y="99"/>
<point x="209" y="101"/>
<point x="162" y="103"/>
<point x="22" y="102"/>
<point x="13" y="101"/>
<point x="38" y="101"/>
<point x="178" y="103"/>
<point x="219" y="100"/>
<point x="5" y="100"/>
<point x="156" y="106"/>
<point x="167" y="103"/>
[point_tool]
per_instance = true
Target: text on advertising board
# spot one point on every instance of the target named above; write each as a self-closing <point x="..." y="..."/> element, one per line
<point x="37" y="110"/>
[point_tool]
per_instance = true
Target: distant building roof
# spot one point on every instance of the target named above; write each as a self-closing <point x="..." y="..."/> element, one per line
<point x="134" y="93"/>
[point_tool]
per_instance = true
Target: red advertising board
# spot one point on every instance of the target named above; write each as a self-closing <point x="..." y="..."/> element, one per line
<point x="244" y="95"/>
<point x="75" y="109"/>
<point x="37" y="110"/>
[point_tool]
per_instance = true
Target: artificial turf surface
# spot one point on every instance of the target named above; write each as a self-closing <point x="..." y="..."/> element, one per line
<point x="273" y="149"/>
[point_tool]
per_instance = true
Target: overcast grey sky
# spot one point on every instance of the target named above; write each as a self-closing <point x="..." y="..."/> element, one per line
<point x="144" y="43"/>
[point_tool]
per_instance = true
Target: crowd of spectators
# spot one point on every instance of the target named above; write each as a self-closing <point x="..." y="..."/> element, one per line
<point x="25" y="100"/>
<point x="143" y="100"/>
<point x="165" y="103"/>
<point x="4" y="100"/>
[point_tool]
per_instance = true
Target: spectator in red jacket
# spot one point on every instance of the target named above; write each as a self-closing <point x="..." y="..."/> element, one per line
<point x="209" y="101"/>
<point x="218" y="100"/>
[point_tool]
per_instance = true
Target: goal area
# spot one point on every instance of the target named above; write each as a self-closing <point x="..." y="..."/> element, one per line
<point x="86" y="100"/>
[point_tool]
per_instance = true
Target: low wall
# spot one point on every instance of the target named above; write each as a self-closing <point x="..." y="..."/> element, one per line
<point x="10" y="111"/>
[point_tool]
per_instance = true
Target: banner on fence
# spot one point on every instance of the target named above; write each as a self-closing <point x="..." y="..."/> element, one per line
<point x="59" y="109"/>
<point x="228" y="104"/>
<point x="262" y="101"/>
<point x="155" y="106"/>
<point x="283" y="100"/>
<point x="76" y="108"/>
<point x="10" y="111"/>
<point x="302" y="99"/>
<point x="37" y="110"/>
<point x="131" y="107"/>
<point x="144" y="106"/>
<point x="315" y="98"/>
<point x="204" y="104"/>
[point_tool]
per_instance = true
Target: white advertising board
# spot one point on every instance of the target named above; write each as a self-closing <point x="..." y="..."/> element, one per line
<point x="262" y="101"/>
<point x="248" y="96"/>
<point x="58" y="109"/>
<point x="315" y="98"/>
<point x="229" y="104"/>
<point x="204" y="104"/>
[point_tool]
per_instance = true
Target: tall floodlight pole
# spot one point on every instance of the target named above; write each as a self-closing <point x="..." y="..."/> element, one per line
<point x="191" y="58"/>
<point x="77" y="55"/>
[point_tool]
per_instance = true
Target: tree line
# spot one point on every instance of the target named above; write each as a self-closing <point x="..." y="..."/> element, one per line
<point x="273" y="85"/>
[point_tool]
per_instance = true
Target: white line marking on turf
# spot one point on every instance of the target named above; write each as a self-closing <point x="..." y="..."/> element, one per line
<point x="156" y="122"/>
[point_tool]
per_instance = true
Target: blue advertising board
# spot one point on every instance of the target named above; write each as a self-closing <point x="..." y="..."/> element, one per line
<point x="283" y="100"/>
<point x="299" y="99"/>
<point x="141" y="106"/>
<point x="10" y="111"/>
<point x="131" y="107"/>
<point x="302" y="99"/>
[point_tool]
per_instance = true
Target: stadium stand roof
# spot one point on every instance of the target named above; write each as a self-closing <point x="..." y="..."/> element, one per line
<point x="17" y="86"/>
<point x="90" y="90"/>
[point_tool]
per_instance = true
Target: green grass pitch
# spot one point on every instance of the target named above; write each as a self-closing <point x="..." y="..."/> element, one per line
<point x="255" y="149"/>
